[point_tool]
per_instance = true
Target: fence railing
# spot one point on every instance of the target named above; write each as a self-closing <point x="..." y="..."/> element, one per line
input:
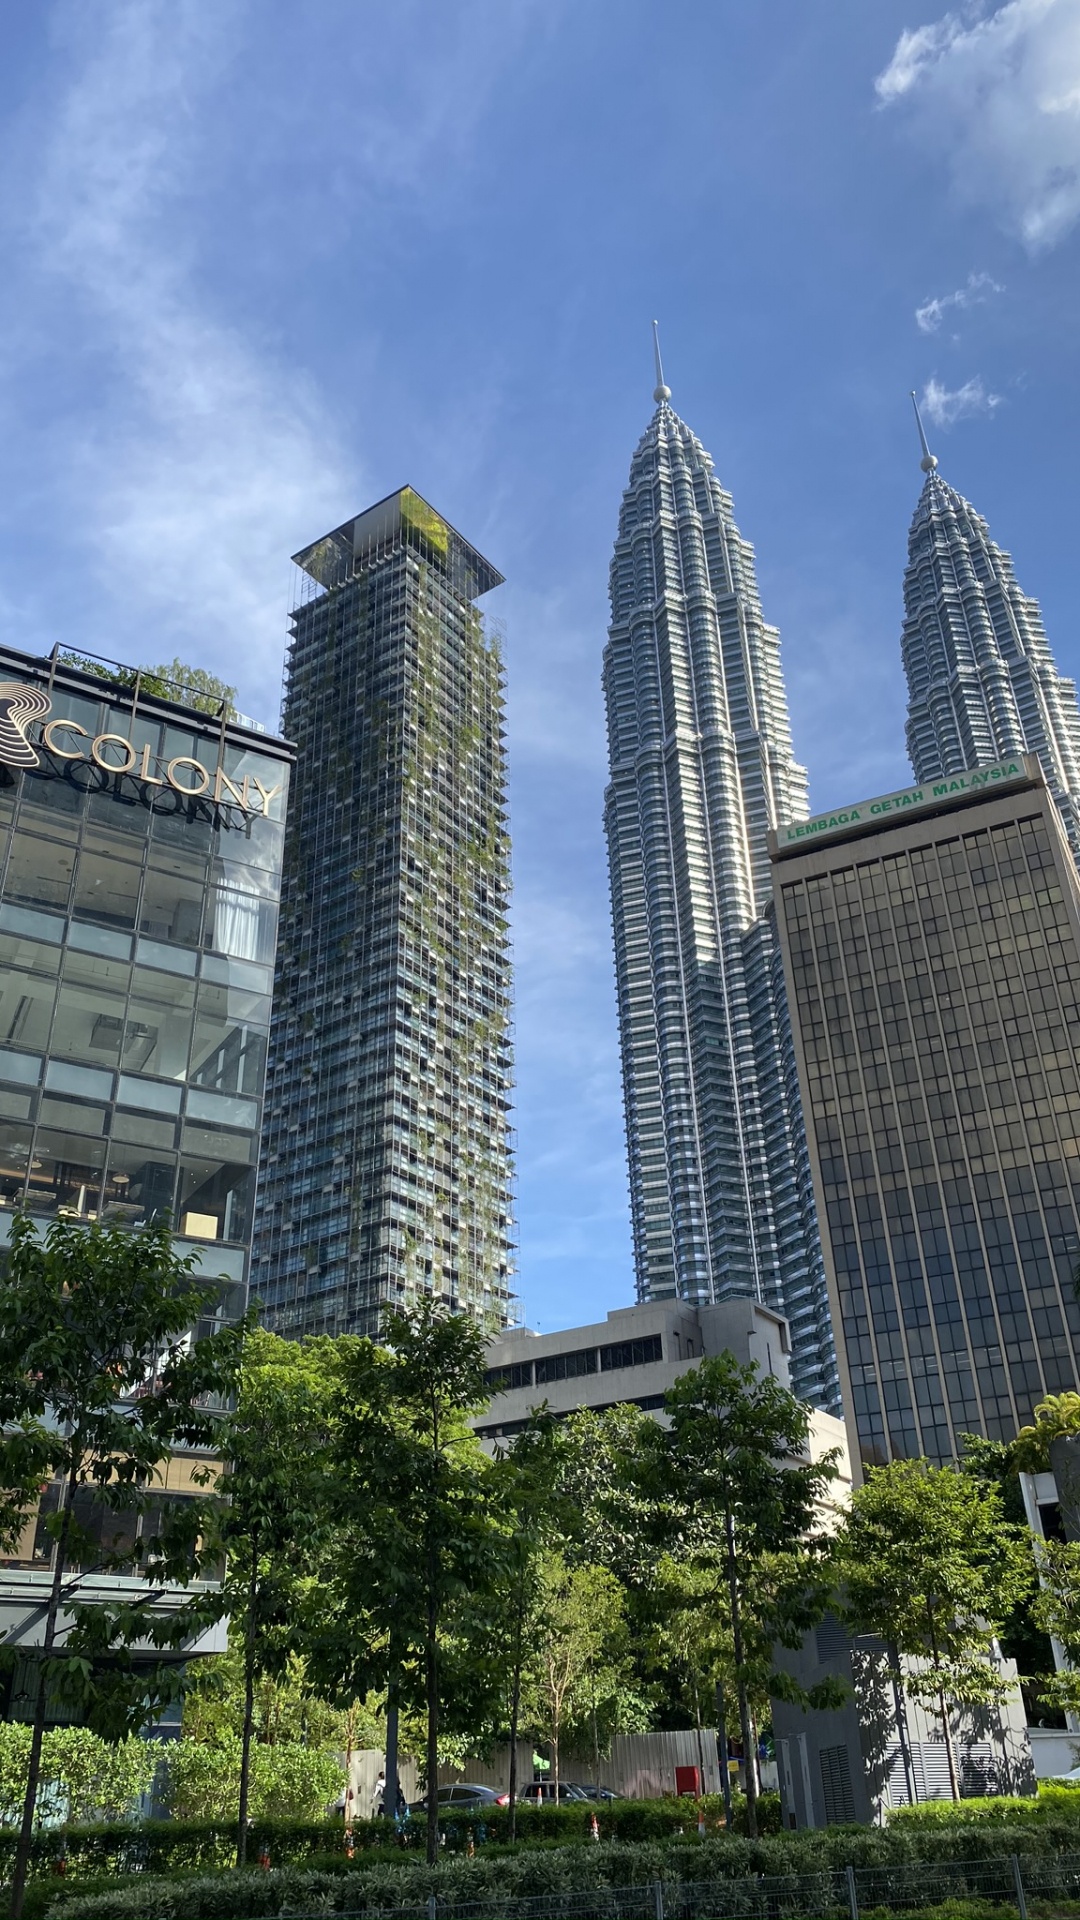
<point x="1008" y="1882"/>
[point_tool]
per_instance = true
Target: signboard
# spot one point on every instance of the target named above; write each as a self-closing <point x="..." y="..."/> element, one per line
<point x="823" y="826"/>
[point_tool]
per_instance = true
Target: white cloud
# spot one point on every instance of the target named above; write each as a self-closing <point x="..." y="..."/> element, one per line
<point x="944" y="405"/>
<point x="194" y="461"/>
<point x="996" y="95"/>
<point x="976" y="290"/>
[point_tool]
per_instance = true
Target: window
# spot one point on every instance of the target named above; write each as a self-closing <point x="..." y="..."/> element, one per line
<point x="508" y="1379"/>
<point x="566" y="1366"/>
<point x="634" y="1353"/>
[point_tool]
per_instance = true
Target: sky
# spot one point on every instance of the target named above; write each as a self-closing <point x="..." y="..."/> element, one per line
<point x="264" y="263"/>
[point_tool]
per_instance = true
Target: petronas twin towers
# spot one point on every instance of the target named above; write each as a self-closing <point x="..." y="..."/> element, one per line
<point x="701" y="767"/>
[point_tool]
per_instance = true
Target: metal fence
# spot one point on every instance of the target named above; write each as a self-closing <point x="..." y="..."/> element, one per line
<point x="1050" y="1882"/>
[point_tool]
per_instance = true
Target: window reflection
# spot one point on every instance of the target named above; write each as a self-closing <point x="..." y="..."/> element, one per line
<point x="172" y="904"/>
<point x="14" y="1160"/>
<point x="159" y="1022"/>
<point x="243" y="925"/>
<point x="65" y="1173"/>
<point x="89" y="1022"/>
<point x="141" y="1178"/>
<point x="39" y="871"/>
<point x="27" y="992"/>
<point x="229" y="1048"/>
<point x="216" y="1185"/>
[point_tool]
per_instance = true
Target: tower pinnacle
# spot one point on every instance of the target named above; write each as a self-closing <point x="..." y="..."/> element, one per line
<point x="660" y="392"/>
<point x="929" y="460"/>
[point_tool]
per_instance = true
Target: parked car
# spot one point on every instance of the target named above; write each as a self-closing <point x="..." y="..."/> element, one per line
<point x="542" y="1792"/>
<point x="591" y="1793"/>
<point x="461" y="1795"/>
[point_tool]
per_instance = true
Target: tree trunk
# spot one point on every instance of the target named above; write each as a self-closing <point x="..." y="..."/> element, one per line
<point x="249" y="1708"/>
<point x="749" y="1767"/>
<point x="390" y="1792"/>
<point x="595" y="1748"/>
<point x="901" y="1722"/>
<point x="700" y="1741"/>
<point x="33" y="1773"/>
<point x="554" y="1755"/>
<point x="722" y="1751"/>
<point x="431" y="1669"/>
<point x="943" y="1707"/>
<point x="515" y="1709"/>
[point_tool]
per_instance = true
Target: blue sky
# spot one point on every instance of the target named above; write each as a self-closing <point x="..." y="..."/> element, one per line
<point x="263" y="263"/>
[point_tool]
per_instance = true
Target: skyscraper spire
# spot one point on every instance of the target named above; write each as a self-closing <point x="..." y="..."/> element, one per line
<point x="982" y="681"/>
<point x="701" y="766"/>
<point x="660" y="391"/>
<point x="929" y="460"/>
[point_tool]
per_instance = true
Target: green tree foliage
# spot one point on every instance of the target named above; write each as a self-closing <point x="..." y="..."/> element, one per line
<point x="99" y="1382"/>
<point x="274" y="1446"/>
<point x="286" y="1780"/>
<point x="609" y="1516"/>
<point x="930" y="1564"/>
<point x="83" y="1777"/>
<point x="285" y="1708"/>
<point x="742" y="1505"/>
<point x="1056" y="1417"/>
<point x="189" y="686"/>
<point x="423" y="1538"/>
<point x="578" y="1674"/>
<point x="1056" y="1609"/>
<point x="528" y="1477"/>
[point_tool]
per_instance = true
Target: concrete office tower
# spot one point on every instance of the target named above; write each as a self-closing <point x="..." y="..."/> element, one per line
<point x="386" y="1154"/>
<point x="982" y="683"/>
<point x="701" y="767"/>
<point x="932" y="942"/>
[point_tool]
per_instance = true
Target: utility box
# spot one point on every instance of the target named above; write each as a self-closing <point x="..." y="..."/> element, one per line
<point x="687" y="1781"/>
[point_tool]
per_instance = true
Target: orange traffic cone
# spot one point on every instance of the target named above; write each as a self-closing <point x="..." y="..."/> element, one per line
<point x="594" y="1827"/>
<point x="264" y="1859"/>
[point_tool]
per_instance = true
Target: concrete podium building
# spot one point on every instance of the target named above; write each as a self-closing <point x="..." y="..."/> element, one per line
<point x="931" y="943"/>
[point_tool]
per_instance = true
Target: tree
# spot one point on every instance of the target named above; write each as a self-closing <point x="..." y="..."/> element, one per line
<point x="578" y="1656"/>
<point x="1056" y="1609"/>
<point x="100" y="1379"/>
<point x="422" y="1532"/>
<point x="273" y="1445"/>
<point x="288" y="1781"/>
<point x="97" y="1779"/>
<point x="191" y="686"/>
<point x="930" y="1564"/>
<point x="743" y="1505"/>
<point x="528" y="1473"/>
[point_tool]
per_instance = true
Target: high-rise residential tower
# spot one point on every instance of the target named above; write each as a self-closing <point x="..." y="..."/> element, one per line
<point x="386" y="1153"/>
<point x="701" y="766"/>
<point x="982" y="684"/>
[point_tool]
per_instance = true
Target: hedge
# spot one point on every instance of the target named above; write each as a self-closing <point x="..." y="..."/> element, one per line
<point x="403" y="1879"/>
<point x="1053" y="1801"/>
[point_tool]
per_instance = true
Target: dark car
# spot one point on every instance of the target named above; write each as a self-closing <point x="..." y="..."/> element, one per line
<point x="591" y="1793"/>
<point x="542" y="1793"/>
<point x="461" y="1795"/>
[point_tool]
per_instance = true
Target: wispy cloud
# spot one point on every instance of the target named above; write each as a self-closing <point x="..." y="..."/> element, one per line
<point x="195" y="459"/>
<point x="976" y="290"/>
<point x="996" y="94"/>
<point x="945" y="405"/>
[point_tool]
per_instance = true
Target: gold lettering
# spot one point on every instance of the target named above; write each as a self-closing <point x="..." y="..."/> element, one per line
<point x="112" y="766"/>
<point x="185" y="760"/>
<point x="144" y="769"/>
<point x="221" y="779"/>
<point x="266" y="792"/>
<point x="62" y="726"/>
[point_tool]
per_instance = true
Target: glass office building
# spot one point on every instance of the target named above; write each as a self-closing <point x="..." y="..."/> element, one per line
<point x="140" y="861"/>
<point x="386" y="1155"/>
<point x="932" y="946"/>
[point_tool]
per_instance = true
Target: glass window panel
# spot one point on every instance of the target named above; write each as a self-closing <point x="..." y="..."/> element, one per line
<point x="100" y="940"/>
<point x="107" y="889"/>
<point x="14" y="1159"/>
<point x="175" y="835"/>
<point x="27" y="996"/>
<point x="39" y="871"/>
<point x="237" y="973"/>
<point x="215" y="1197"/>
<point x="243" y="925"/>
<point x="34" y="926"/>
<point x="52" y="796"/>
<point x="15" y="1106"/>
<point x="76" y="706"/>
<point x="65" y="1173"/>
<point x="140" y="1130"/>
<point x="22" y="1067"/>
<point x="229" y="1050"/>
<point x="92" y="1082"/>
<point x="71" y="1116"/>
<point x="155" y="953"/>
<point x="179" y="744"/>
<point x="157" y="1095"/>
<point x="172" y="904"/>
<point x="89" y="1020"/>
<point x="252" y="839"/>
<point x="117" y="818"/>
<point x="160" y="1017"/>
<point x="140" y="1181"/>
<point x="222" y="1110"/>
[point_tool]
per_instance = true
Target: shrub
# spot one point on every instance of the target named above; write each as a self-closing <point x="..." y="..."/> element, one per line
<point x="1052" y="1801"/>
<point x="88" y="1777"/>
<point x="288" y="1781"/>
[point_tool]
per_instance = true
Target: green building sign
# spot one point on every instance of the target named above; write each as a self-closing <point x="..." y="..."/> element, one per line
<point x="907" y="800"/>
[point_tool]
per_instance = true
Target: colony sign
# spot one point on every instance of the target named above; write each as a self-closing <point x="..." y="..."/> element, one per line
<point x="21" y="704"/>
<point x="908" y="799"/>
